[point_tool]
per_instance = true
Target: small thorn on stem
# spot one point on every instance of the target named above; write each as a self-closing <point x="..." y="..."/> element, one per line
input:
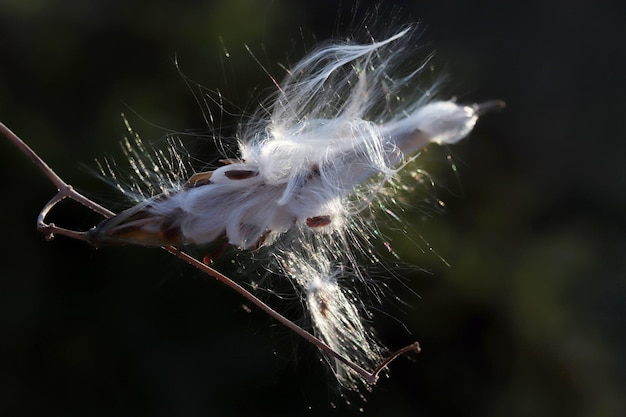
<point x="413" y="347"/>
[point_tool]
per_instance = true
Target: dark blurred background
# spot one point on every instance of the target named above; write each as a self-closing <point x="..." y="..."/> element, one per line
<point x="527" y="320"/>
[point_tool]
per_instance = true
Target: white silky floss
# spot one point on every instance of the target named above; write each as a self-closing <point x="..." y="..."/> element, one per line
<point x="336" y="132"/>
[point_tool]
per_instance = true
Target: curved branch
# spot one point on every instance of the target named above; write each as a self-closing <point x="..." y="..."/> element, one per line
<point x="67" y="191"/>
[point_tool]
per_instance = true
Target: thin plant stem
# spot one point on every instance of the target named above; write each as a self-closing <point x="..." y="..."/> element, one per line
<point x="67" y="191"/>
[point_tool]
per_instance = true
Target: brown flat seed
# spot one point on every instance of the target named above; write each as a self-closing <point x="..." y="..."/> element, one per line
<point x="261" y="241"/>
<point x="209" y="258"/>
<point x="198" y="179"/>
<point x="229" y="161"/>
<point x="240" y="174"/>
<point x="323" y="307"/>
<point x="318" y="221"/>
<point x="315" y="172"/>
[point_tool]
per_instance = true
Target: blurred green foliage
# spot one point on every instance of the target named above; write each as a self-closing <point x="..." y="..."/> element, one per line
<point x="527" y="319"/>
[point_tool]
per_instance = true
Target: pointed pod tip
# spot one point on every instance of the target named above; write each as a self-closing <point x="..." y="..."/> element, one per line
<point x="489" y="106"/>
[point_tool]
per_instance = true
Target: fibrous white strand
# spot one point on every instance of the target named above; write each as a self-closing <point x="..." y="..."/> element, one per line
<point x="336" y="315"/>
<point x="335" y="133"/>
